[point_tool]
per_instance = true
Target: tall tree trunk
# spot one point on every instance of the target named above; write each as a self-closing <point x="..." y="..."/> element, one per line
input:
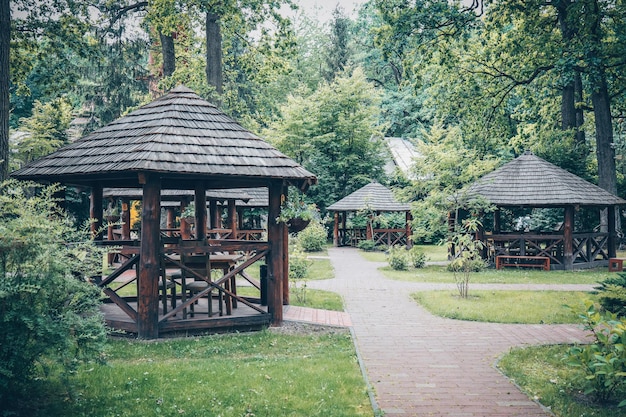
<point x="214" y="55"/>
<point x="169" y="57"/>
<point x="571" y="117"/>
<point x="601" y="101"/>
<point x="5" y="79"/>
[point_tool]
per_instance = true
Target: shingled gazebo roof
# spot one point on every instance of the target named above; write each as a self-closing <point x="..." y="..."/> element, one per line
<point x="178" y="136"/>
<point x="373" y="196"/>
<point x="529" y="181"/>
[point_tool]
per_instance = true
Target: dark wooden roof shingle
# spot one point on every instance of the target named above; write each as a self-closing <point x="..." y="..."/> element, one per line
<point x="529" y="181"/>
<point x="373" y="196"/>
<point x="178" y="133"/>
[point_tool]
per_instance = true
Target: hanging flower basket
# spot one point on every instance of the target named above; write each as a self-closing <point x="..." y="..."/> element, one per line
<point x="296" y="225"/>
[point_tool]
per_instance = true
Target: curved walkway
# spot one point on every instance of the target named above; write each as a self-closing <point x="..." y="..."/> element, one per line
<point x="422" y="365"/>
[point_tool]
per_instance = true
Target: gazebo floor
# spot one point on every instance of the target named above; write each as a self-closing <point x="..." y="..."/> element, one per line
<point x="242" y="318"/>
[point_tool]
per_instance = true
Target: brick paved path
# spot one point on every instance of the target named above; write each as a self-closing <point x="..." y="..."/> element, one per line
<point x="422" y="365"/>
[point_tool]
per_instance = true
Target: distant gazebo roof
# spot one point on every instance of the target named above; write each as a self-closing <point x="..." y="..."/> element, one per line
<point x="179" y="137"/>
<point x="529" y="181"/>
<point x="373" y="196"/>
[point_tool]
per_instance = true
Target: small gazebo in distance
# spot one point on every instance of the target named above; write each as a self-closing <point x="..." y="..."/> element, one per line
<point x="181" y="142"/>
<point x="372" y="199"/>
<point x="529" y="182"/>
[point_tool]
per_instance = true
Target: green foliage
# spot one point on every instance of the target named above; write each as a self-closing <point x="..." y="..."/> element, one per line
<point x="313" y="238"/>
<point x="330" y="133"/>
<point x="295" y="207"/>
<point x="398" y="258"/>
<point x="367" y="245"/>
<point x="299" y="267"/>
<point x="447" y="166"/>
<point x="612" y="294"/>
<point x="466" y="254"/>
<point x="47" y="131"/>
<point x="417" y="257"/>
<point x="604" y="360"/>
<point x="50" y="313"/>
<point x="298" y="264"/>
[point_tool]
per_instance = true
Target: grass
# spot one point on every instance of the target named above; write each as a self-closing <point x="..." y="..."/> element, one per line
<point x="543" y="375"/>
<point x="529" y="307"/>
<point x="504" y="276"/>
<point x="256" y="374"/>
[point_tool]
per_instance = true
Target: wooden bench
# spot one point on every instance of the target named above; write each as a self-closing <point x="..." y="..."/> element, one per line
<point x="616" y="264"/>
<point x="510" y="260"/>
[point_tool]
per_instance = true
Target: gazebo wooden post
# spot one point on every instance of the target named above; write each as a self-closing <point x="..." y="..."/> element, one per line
<point x="612" y="243"/>
<point x="232" y="218"/>
<point x="95" y="211"/>
<point x="285" y="253"/>
<point x="125" y="219"/>
<point x="336" y="230"/>
<point x="275" y="257"/>
<point x="149" y="264"/>
<point x="407" y="225"/>
<point x="568" y="238"/>
<point x="496" y="221"/>
<point x="201" y="217"/>
<point x="344" y="219"/>
<point x="213" y="214"/>
<point x="170" y="220"/>
<point x="185" y="230"/>
<point x="369" y="228"/>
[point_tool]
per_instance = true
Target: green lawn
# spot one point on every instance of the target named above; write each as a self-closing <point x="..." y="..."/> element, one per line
<point x="531" y="307"/>
<point x="504" y="276"/>
<point x="544" y="376"/>
<point x="256" y="374"/>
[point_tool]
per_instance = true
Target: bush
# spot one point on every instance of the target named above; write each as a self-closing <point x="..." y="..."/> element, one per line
<point x="603" y="361"/>
<point x="612" y="294"/>
<point x="398" y="258"/>
<point x="417" y="257"/>
<point x="298" y="265"/>
<point x="313" y="238"/>
<point x="367" y="245"/>
<point x="50" y="314"/>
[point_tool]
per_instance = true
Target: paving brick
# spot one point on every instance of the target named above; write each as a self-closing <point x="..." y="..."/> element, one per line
<point x="422" y="365"/>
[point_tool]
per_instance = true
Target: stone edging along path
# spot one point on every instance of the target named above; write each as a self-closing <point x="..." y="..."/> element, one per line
<point x="422" y="365"/>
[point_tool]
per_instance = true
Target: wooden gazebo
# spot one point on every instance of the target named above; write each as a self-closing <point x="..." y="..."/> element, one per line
<point x="180" y="142"/>
<point x="374" y="198"/>
<point x="531" y="182"/>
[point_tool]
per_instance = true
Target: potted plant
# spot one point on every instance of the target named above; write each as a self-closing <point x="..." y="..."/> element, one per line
<point x="112" y="214"/>
<point x="189" y="214"/>
<point x="296" y="213"/>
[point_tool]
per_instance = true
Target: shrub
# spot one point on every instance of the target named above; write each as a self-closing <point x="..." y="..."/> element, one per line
<point x="398" y="258"/>
<point x="313" y="238"/>
<point x="612" y="294"/>
<point x="298" y="264"/>
<point x="50" y="314"/>
<point x="367" y="245"/>
<point x="603" y="361"/>
<point x="417" y="257"/>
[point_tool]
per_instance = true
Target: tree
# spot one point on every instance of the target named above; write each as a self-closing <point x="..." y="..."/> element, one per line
<point x="47" y="131"/>
<point x="5" y="42"/>
<point x="338" y="52"/>
<point x="332" y="132"/>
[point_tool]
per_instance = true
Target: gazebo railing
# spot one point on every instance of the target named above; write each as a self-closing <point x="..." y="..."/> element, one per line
<point x="170" y="255"/>
<point x="587" y="248"/>
<point x="388" y="237"/>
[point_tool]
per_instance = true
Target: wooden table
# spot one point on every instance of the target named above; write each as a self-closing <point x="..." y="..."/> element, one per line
<point x="225" y="262"/>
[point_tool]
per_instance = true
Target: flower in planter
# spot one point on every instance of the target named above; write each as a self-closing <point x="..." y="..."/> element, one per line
<point x="297" y="213"/>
